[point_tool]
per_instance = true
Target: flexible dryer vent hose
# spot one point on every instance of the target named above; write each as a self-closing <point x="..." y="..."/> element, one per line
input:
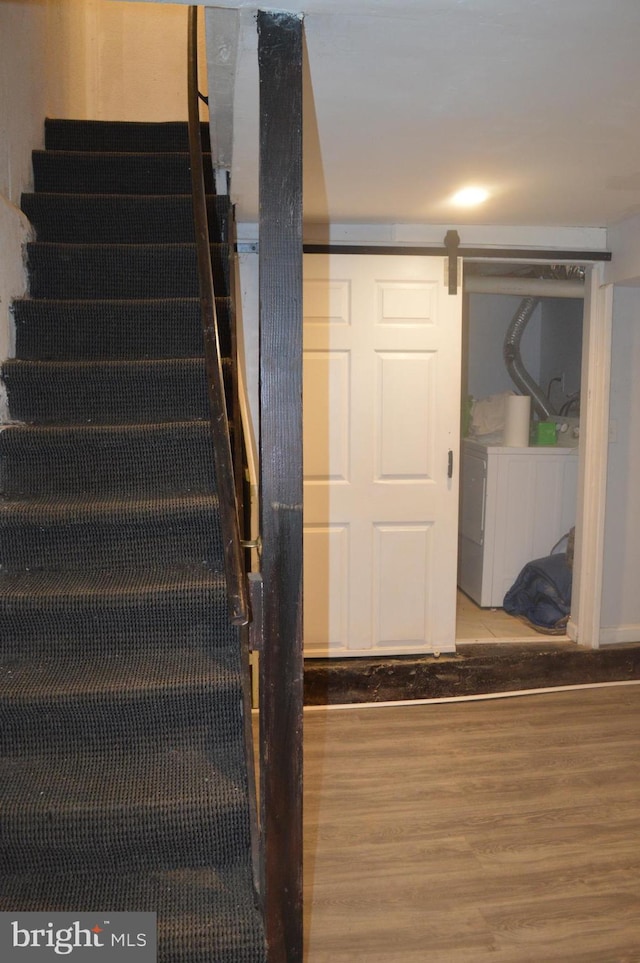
<point x="513" y="359"/>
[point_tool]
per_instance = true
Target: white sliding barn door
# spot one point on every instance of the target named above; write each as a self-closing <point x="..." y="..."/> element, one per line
<point x="381" y="413"/>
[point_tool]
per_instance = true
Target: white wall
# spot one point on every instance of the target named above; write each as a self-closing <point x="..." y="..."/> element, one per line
<point x="248" y="280"/>
<point x="620" y="613"/>
<point x="561" y="346"/>
<point x="624" y="244"/>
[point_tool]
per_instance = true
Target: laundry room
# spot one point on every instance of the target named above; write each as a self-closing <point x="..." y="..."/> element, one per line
<point x="521" y="381"/>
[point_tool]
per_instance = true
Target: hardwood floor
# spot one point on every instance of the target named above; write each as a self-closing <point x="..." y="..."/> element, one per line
<point x="504" y="831"/>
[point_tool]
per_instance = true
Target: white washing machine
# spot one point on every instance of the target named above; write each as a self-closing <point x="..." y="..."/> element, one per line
<point x="516" y="503"/>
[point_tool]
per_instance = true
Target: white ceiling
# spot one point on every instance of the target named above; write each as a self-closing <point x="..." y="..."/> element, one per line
<point x="408" y="100"/>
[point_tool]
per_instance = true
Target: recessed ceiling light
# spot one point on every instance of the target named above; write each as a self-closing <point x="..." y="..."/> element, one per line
<point x="470" y="196"/>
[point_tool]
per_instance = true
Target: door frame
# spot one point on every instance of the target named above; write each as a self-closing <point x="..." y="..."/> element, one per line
<point x="584" y="621"/>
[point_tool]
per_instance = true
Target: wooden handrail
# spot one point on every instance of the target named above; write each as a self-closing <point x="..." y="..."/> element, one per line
<point x="222" y="456"/>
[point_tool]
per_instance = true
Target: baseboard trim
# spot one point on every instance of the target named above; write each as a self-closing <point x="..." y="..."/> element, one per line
<point x="619" y="634"/>
<point x="387" y="652"/>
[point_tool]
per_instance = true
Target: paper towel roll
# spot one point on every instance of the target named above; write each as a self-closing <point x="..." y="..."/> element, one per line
<point x="516" y="424"/>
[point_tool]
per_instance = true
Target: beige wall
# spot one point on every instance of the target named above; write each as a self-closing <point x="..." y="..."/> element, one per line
<point x="138" y="60"/>
<point x="99" y="59"/>
<point x="23" y="98"/>
<point x="84" y="58"/>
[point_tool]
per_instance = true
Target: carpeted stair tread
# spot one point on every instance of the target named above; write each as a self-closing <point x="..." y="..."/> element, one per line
<point x="116" y="677"/>
<point x="142" y="585"/>
<point x="83" y="612"/>
<point x="205" y="915"/>
<point x="107" y="392"/>
<point x="47" y="508"/>
<point x="187" y="805"/>
<point x="58" y="172"/>
<point x="164" y="458"/>
<point x="75" y="533"/>
<point x="50" y="701"/>
<point x="122" y="681"/>
<point x="80" y="271"/>
<point x="113" y="328"/>
<point x="118" y="218"/>
<point x="119" y="135"/>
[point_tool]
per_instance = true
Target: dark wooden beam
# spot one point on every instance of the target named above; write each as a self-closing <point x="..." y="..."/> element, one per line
<point x="280" y="287"/>
<point x="478" y="253"/>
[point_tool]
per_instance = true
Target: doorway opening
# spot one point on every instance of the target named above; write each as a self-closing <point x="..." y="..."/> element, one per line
<point x="522" y="336"/>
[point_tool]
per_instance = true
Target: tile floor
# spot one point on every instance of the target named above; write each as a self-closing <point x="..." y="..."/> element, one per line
<point x="474" y="624"/>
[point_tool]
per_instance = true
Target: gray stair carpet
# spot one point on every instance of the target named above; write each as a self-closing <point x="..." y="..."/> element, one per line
<point x="122" y="747"/>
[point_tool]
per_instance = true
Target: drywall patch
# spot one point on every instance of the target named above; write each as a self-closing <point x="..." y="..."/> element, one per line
<point x="15" y="232"/>
<point x="5" y="417"/>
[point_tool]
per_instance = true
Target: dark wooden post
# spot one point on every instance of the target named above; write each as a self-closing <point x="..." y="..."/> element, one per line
<point x="280" y="286"/>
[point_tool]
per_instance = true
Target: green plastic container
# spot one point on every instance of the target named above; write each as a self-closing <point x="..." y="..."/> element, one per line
<point x="546" y="433"/>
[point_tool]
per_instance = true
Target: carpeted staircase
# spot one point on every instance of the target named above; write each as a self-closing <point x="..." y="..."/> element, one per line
<point x="123" y="764"/>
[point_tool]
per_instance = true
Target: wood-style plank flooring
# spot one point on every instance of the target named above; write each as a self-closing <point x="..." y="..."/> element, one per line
<point x="503" y="831"/>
